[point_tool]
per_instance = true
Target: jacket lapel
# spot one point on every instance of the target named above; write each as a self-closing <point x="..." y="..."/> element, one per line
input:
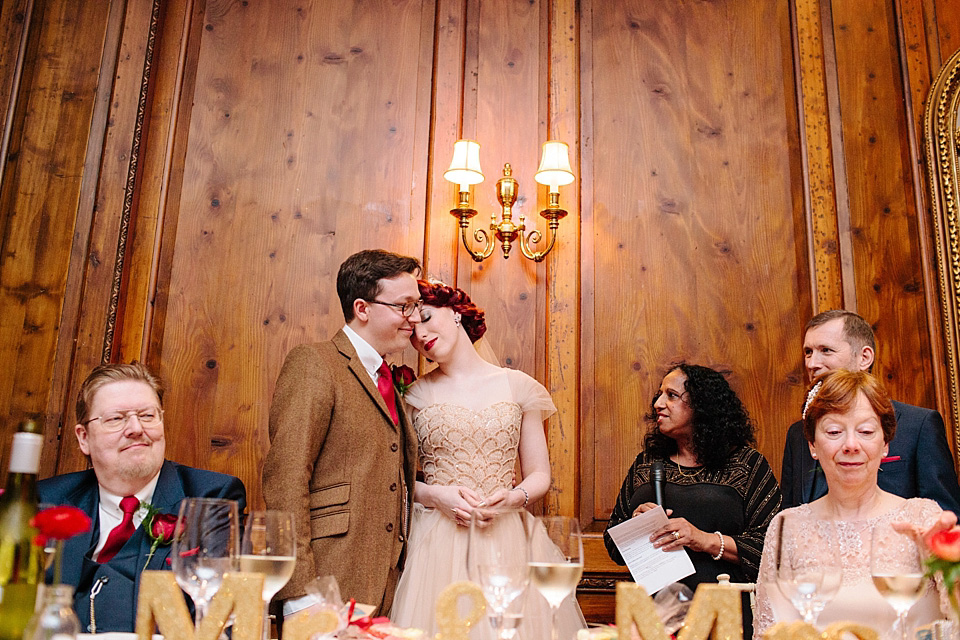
<point x="87" y="499"/>
<point x="166" y="498"/>
<point x="345" y="347"/>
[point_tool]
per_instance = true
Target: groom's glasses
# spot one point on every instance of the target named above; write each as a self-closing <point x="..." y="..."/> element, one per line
<point x="406" y="308"/>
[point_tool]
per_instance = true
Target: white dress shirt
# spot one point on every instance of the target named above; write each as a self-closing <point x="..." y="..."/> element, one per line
<point x="111" y="515"/>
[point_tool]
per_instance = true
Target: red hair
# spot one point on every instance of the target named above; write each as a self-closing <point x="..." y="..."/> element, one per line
<point x="440" y="295"/>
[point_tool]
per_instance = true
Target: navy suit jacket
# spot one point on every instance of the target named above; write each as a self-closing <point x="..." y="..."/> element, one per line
<point x="924" y="470"/>
<point x="116" y="603"/>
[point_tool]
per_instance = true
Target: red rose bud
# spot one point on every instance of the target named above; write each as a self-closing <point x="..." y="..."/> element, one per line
<point x="403" y="375"/>
<point x="61" y="522"/>
<point x="164" y="527"/>
<point x="946" y="544"/>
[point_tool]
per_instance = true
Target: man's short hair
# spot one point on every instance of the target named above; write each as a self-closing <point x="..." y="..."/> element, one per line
<point x="360" y="275"/>
<point x="116" y="372"/>
<point x="856" y="330"/>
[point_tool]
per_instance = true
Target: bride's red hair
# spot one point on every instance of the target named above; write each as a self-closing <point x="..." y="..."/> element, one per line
<point x="437" y="294"/>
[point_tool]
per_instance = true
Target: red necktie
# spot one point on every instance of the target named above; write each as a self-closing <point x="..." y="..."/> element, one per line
<point x="122" y="532"/>
<point x="385" y="385"/>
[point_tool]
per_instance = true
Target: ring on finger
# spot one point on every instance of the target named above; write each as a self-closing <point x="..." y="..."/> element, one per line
<point x="676" y="535"/>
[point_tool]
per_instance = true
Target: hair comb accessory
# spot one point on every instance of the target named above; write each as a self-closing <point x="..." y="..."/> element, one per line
<point x="810" y="396"/>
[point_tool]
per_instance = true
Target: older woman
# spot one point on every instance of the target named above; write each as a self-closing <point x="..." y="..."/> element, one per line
<point x="718" y="489"/>
<point x="848" y="422"/>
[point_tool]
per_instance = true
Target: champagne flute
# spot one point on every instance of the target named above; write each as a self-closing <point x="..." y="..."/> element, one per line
<point x="269" y="547"/>
<point x="204" y="548"/>
<point x="555" y="569"/>
<point x="808" y="564"/>
<point x="896" y="567"/>
<point x="498" y="557"/>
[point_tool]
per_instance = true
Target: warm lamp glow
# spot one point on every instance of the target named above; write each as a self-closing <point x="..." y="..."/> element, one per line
<point x="554" y="165"/>
<point x="465" y="166"/>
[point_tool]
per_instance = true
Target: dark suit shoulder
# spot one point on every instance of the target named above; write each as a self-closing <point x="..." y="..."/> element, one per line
<point x="58" y="487"/>
<point x="201" y="483"/>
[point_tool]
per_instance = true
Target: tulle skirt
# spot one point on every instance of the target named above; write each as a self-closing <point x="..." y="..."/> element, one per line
<point x="437" y="556"/>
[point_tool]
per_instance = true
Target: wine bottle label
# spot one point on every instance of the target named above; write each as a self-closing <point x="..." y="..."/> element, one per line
<point x="25" y="457"/>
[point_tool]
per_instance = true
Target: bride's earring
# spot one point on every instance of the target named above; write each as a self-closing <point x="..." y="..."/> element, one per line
<point x="456" y="320"/>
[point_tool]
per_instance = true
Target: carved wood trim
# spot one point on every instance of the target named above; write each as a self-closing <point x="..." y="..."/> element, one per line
<point x="941" y="133"/>
<point x="130" y="189"/>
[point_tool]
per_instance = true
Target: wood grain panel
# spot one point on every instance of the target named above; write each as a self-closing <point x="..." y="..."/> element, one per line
<point x="883" y="208"/>
<point x="270" y="207"/>
<point x="946" y="16"/>
<point x="43" y="172"/>
<point x="698" y="216"/>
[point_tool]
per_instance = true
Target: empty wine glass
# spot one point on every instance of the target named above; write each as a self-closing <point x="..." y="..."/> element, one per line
<point x="808" y="564"/>
<point x="205" y="547"/>
<point x="555" y="569"/>
<point x="896" y="567"/>
<point x="269" y="547"/>
<point x="498" y="560"/>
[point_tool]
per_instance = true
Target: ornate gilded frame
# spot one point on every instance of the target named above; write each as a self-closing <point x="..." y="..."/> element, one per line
<point x="942" y="137"/>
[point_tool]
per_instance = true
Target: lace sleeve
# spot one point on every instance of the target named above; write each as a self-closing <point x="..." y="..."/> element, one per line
<point x="764" y="616"/>
<point x="924" y="513"/>
<point x="530" y="394"/>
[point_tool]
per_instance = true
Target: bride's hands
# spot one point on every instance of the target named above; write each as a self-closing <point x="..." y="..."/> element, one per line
<point x="506" y="498"/>
<point x="455" y="502"/>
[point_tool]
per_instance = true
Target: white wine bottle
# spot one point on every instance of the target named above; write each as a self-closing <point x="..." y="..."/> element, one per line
<point x="21" y="564"/>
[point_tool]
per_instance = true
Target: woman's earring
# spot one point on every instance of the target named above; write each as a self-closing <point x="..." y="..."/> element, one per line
<point x="813" y="455"/>
<point x="456" y="320"/>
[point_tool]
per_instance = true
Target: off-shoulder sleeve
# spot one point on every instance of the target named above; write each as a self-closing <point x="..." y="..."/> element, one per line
<point x="530" y="394"/>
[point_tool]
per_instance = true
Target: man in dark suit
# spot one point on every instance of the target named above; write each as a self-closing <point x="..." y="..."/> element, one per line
<point x="120" y="429"/>
<point x="342" y="452"/>
<point x="919" y="463"/>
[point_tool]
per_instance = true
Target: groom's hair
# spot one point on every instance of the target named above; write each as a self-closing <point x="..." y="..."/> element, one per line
<point x="360" y="275"/>
<point x="114" y="372"/>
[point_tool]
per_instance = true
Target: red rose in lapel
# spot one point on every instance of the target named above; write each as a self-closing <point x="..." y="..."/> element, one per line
<point x="403" y="377"/>
<point x="163" y="528"/>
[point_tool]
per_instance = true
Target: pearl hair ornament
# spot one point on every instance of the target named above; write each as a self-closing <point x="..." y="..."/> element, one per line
<point x="810" y="396"/>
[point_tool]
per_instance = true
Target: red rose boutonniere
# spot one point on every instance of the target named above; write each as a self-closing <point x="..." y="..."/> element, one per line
<point x="403" y="377"/>
<point x="58" y="523"/>
<point x="161" y="528"/>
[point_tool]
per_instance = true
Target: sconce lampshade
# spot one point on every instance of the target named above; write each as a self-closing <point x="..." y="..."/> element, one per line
<point x="554" y="165"/>
<point x="465" y="166"/>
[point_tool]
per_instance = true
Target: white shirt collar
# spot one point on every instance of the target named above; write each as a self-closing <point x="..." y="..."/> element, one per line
<point x="369" y="357"/>
<point x="110" y="502"/>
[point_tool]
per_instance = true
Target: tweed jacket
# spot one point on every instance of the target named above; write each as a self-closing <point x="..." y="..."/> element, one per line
<point x="346" y="472"/>
<point x="116" y="603"/>
<point x="919" y="463"/>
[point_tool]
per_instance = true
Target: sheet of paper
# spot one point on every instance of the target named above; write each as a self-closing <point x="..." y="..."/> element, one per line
<point x="651" y="568"/>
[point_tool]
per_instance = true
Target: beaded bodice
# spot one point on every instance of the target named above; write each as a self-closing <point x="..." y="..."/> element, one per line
<point x="476" y="449"/>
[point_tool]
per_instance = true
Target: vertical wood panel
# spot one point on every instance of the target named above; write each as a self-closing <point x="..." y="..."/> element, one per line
<point x="695" y="188"/>
<point x="883" y="207"/>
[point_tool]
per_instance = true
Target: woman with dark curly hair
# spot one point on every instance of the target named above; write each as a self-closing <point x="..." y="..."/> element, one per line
<point x="474" y="421"/>
<point x="718" y="489"/>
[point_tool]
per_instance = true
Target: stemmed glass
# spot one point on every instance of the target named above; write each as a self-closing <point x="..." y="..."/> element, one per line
<point x="498" y="557"/>
<point x="808" y="564"/>
<point x="205" y="548"/>
<point x="555" y="569"/>
<point x="896" y="567"/>
<point x="269" y="547"/>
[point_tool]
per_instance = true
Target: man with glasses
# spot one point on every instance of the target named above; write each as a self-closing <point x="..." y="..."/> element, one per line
<point x="120" y="429"/>
<point x="342" y="452"/>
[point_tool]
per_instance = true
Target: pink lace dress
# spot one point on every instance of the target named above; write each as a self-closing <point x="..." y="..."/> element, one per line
<point x="857" y="600"/>
<point x="469" y="438"/>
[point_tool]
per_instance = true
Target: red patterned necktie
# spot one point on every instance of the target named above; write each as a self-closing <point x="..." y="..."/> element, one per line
<point x="122" y="532"/>
<point x="385" y="385"/>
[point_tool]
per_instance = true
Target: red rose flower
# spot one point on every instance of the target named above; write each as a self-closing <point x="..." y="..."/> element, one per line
<point x="946" y="544"/>
<point x="163" y="528"/>
<point x="403" y="377"/>
<point x="61" y="522"/>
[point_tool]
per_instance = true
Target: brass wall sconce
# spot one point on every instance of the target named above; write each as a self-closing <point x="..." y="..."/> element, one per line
<point x="465" y="170"/>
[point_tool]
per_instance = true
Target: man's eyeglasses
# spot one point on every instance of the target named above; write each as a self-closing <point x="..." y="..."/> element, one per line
<point x="406" y="308"/>
<point x="117" y="420"/>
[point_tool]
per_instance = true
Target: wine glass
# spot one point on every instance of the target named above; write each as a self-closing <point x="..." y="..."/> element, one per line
<point x="808" y="564"/>
<point x="896" y="567"/>
<point x="498" y="557"/>
<point x="204" y="548"/>
<point x="555" y="569"/>
<point x="269" y="547"/>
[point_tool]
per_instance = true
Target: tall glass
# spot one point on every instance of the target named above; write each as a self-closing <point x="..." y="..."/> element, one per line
<point x="555" y="570"/>
<point x="808" y="564"/>
<point x="205" y="548"/>
<point x="498" y="557"/>
<point x="269" y="547"/>
<point x="896" y="567"/>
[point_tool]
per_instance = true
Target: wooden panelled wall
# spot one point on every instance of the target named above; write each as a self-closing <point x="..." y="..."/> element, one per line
<point x="182" y="178"/>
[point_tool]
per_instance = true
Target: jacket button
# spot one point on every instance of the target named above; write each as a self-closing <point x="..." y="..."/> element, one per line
<point x="394" y="447"/>
<point x="389" y="526"/>
<point x="401" y="538"/>
<point x="393" y="487"/>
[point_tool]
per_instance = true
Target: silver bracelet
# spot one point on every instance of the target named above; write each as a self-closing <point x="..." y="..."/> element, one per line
<point x="526" y="496"/>
<point x="719" y="553"/>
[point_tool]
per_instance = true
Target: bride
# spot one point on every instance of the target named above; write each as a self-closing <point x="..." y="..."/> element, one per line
<point x="473" y="420"/>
